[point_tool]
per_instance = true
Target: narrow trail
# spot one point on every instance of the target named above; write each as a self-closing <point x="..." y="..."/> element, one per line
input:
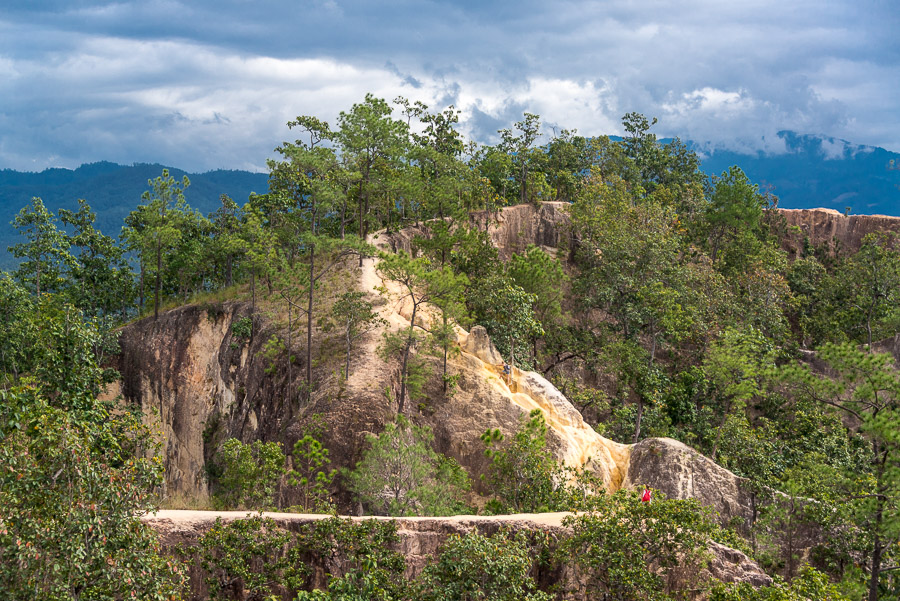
<point x="580" y="445"/>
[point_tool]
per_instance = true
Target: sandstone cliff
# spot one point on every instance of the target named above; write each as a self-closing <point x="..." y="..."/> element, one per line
<point x="829" y="227"/>
<point x="420" y="540"/>
<point x="204" y="385"/>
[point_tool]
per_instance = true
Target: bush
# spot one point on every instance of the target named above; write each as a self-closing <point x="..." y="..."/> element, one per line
<point x="363" y="554"/>
<point x="250" y="474"/>
<point x="400" y="474"/>
<point x="488" y="568"/>
<point x="631" y="550"/>
<point x="252" y="555"/>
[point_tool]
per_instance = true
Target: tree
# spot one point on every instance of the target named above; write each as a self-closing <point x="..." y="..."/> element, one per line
<point x="152" y="229"/>
<point x="400" y="474"/>
<point x="46" y="253"/>
<point x="734" y="214"/>
<point x="310" y="473"/>
<point x="102" y="281"/>
<point x="506" y="311"/>
<point x="227" y="245"/>
<point x="420" y="284"/>
<point x="372" y="142"/>
<point x="250" y="474"/>
<point x="528" y="179"/>
<point x="541" y="275"/>
<point x="865" y="389"/>
<point x="630" y="550"/>
<point x="526" y="477"/>
<point x="77" y="476"/>
<point x="356" y="317"/>
<point x="737" y="365"/>
<point x="870" y="287"/>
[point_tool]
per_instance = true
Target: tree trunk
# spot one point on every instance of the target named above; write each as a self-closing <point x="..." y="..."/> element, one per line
<point x="290" y="369"/>
<point x="876" y="559"/>
<point x="158" y="278"/>
<point x="347" y="364"/>
<point x="309" y="322"/>
<point x="141" y="297"/>
<point x="446" y="344"/>
<point x="637" y="423"/>
<point x="403" y="365"/>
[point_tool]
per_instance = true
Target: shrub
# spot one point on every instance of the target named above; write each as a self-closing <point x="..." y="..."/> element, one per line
<point x="400" y="474"/>
<point x="250" y="474"/>
<point x="488" y="568"/>
<point x="252" y="555"/>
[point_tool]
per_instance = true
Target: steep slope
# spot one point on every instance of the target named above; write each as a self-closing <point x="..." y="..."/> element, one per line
<point x="827" y="226"/>
<point x="420" y="540"/>
<point x="202" y="385"/>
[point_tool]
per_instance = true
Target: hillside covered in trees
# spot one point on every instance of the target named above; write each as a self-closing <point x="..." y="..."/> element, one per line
<point x="660" y="304"/>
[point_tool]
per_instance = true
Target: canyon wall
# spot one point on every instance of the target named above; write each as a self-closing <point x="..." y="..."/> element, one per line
<point x="201" y="384"/>
<point x="420" y="540"/>
<point x="822" y="227"/>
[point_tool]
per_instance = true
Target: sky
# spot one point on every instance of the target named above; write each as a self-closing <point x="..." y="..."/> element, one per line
<point x="203" y="85"/>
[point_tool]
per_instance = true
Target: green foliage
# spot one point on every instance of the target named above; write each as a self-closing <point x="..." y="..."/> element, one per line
<point x="242" y="328"/>
<point x="356" y="317"/>
<point x="400" y="474"/>
<point x="420" y="283"/>
<point x="76" y="477"/>
<point x="310" y="473"/>
<point x="868" y="289"/>
<point x="631" y="550"/>
<point x="864" y="387"/>
<point x="250" y="474"/>
<point x="45" y="255"/>
<point x="525" y="476"/>
<point x="250" y="558"/>
<point x="811" y="585"/>
<point x="397" y="345"/>
<point x="489" y="568"/>
<point x="507" y="312"/>
<point x="272" y="351"/>
<point x="370" y="567"/>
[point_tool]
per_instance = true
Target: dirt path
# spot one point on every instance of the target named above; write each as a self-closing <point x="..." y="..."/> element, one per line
<point x="581" y="444"/>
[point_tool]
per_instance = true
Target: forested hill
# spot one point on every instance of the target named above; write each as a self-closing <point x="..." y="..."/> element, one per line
<point x="818" y="171"/>
<point x="113" y="191"/>
<point x="815" y="171"/>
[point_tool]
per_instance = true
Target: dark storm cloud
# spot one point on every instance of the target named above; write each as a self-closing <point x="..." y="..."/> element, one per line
<point x="211" y="84"/>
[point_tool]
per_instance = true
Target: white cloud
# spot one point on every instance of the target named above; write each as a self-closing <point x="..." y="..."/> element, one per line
<point x="211" y="84"/>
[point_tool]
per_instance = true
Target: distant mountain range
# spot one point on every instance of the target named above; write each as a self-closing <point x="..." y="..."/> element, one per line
<point x="814" y="171"/>
<point x="113" y="191"/>
<point x="818" y="171"/>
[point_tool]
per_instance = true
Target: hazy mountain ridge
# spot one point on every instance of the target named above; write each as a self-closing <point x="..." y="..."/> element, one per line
<point x="113" y="191"/>
<point x="814" y="171"/>
<point x="819" y="171"/>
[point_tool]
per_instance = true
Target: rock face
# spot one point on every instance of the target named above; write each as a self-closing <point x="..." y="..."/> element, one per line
<point x="205" y="386"/>
<point x="824" y="226"/>
<point x="178" y="369"/>
<point x="682" y="473"/>
<point x="511" y="229"/>
<point x="420" y="540"/>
